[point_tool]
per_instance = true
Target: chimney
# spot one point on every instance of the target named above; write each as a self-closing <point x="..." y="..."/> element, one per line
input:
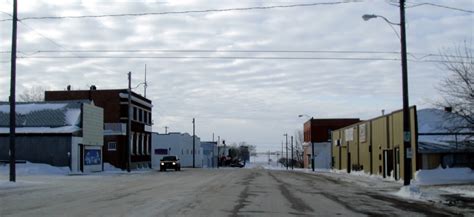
<point x="68" y="88"/>
<point x="383" y="111"/>
<point x="448" y="109"/>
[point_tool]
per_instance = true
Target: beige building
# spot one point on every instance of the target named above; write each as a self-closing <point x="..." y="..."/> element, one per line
<point x="374" y="146"/>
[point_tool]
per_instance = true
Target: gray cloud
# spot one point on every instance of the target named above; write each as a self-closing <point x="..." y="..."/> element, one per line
<point x="251" y="100"/>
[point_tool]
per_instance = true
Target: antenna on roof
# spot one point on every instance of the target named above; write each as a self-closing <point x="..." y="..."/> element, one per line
<point x="145" y="84"/>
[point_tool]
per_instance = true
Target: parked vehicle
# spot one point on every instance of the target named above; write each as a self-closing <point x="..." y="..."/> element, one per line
<point x="170" y="162"/>
<point x="237" y="164"/>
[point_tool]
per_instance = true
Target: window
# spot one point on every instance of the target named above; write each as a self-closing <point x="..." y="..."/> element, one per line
<point x="149" y="142"/>
<point x="145" y="116"/>
<point x="131" y="143"/>
<point x="136" y="143"/>
<point x="112" y="146"/>
<point x="140" y="115"/>
<point x="134" y="113"/>
<point x="142" y="143"/>
<point x="145" y="138"/>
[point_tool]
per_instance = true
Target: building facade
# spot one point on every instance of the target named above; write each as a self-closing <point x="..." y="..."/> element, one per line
<point x="317" y="133"/>
<point x="117" y="148"/>
<point x="209" y="154"/>
<point x="178" y="144"/>
<point x="60" y="134"/>
<point x="375" y="146"/>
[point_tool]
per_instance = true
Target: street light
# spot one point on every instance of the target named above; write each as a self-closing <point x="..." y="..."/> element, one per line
<point x="312" y="143"/>
<point x="367" y="17"/>
<point x="406" y="111"/>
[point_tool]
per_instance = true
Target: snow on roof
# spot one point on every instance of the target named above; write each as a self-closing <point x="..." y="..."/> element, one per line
<point x="438" y="121"/>
<point x="43" y="117"/>
<point x="25" y="109"/>
<point x="26" y="130"/>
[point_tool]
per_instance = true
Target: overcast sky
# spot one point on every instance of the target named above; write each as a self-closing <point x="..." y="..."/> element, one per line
<point x="252" y="100"/>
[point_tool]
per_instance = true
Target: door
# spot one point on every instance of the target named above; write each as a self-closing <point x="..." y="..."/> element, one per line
<point x="387" y="163"/>
<point x="397" y="163"/>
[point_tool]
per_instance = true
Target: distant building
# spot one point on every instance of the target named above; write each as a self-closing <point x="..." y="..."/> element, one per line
<point x="68" y="133"/>
<point x="115" y="105"/>
<point x="444" y="140"/>
<point x="209" y="157"/>
<point x="318" y="132"/>
<point x="178" y="144"/>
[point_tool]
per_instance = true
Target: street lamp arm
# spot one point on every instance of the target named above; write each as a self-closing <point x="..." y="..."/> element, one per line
<point x="367" y="17"/>
<point x="143" y="83"/>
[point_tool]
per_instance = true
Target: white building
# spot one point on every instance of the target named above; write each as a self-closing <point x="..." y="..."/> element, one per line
<point x="179" y="144"/>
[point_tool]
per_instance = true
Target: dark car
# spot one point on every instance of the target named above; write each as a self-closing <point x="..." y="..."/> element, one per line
<point x="170" y="162"/>
<point x="237" y="164"/>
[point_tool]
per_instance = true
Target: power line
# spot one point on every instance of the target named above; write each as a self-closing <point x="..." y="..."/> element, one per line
<point x="417" y="56"/>
<point x="440" y="6"/>
<point x="232" y="57"/>
<point x="56" y="44"/>
<point x="189" y="11"/>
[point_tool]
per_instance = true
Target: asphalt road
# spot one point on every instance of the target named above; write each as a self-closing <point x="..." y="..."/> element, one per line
<point x="205" y="192"/>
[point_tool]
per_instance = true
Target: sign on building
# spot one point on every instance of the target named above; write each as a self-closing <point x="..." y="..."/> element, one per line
<point x="92" y="157"/>
<point x="362" y="132"/>
<point x="349" y="134"/>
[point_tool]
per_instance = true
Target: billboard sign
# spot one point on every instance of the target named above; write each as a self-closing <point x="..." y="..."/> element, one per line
<point x="92" y="157"/>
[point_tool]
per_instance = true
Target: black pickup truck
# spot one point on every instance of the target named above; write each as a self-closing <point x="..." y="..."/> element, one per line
<point x="170" y="162"/>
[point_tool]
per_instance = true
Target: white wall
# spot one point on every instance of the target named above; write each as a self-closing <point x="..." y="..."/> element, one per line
<point x="179" y="144"/>
<point x="322" y="152"/>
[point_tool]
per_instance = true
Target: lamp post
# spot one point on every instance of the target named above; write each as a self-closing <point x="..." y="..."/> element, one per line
<point x="406" y="110"/>
<point x="312" y="143"/>
<point x="194" y="143"/>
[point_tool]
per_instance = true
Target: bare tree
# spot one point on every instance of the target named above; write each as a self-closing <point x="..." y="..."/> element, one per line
<point x="299" y="151"/>
<point x="32" y="94"/>
<point x="457" y="89"/>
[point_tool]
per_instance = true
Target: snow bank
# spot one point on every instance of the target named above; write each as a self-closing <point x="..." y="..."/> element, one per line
<point x="35" y="169"/>
<point x="443" y="176"/>
<point x="412" y="192"/>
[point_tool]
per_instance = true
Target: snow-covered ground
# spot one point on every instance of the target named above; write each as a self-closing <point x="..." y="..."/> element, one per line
<point x="438" y="185"/>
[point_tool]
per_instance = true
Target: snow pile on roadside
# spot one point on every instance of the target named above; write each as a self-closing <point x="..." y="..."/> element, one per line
<point x="110" y="168"/>
<point x="440" y="176"/>
<point x="35" y="169"/>
<point x="412" y="192"/>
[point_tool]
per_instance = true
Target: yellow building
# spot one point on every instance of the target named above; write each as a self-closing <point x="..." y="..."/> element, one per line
<point x="374" y="146"/>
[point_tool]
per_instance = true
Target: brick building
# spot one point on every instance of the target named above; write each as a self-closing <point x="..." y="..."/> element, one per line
<point x="115" y="105"/>
<point x="318" y="132"/>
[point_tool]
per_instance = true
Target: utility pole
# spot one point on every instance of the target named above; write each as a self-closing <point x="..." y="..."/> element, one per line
<point x="406" y="110"/>
<point x="12" y="95"/>
<point x="286" y="136"/>
<point x="292" y="167"/>
<point x="194" y="143"/>
<point x="129" y="122"/>
<point x="312" y="143"/>
<point x="281" y="151"/>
